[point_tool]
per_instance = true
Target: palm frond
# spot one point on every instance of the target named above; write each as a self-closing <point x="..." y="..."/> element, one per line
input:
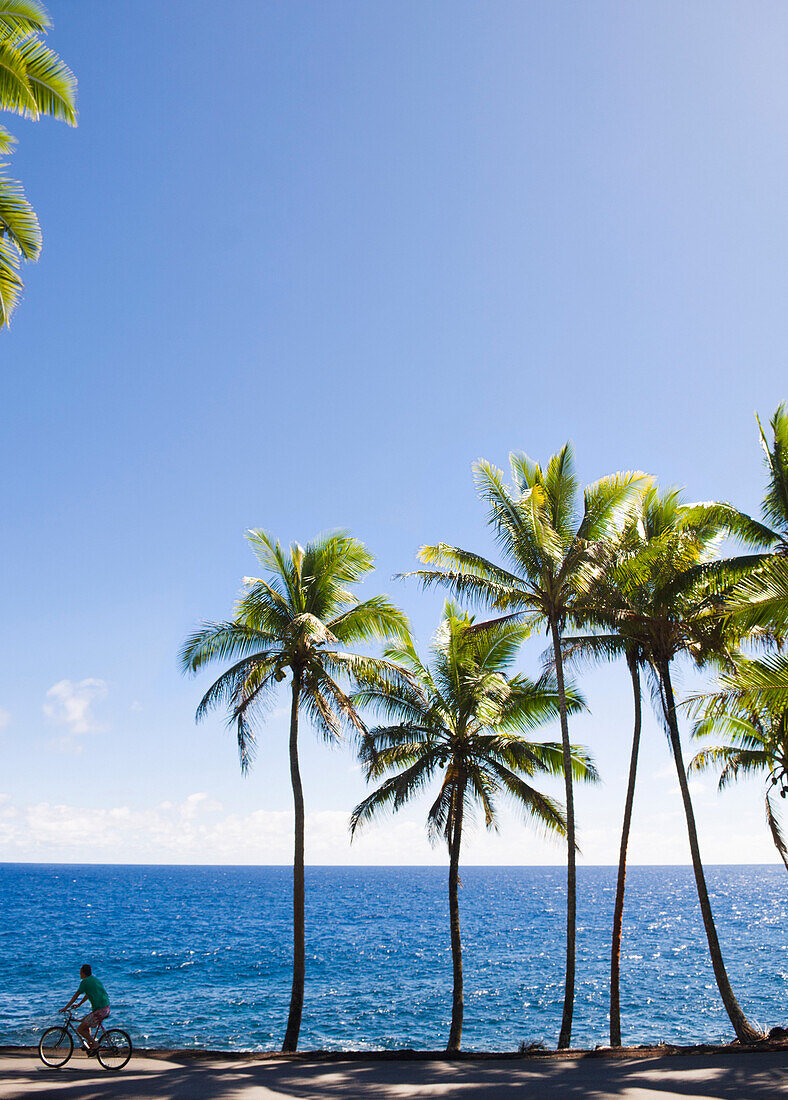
<point x="393" y="793"/>
<point x="530" y="704"/>
<point x="18" y="221"/>
<point x="716" y="578"/>
<point x="323" y="712"/>
<point x="439" y="813"/>
<point x="729" y="519"/>
<point x="608" y="502"/>
<point x="760" y="601"/>
<point x="464" y="586"/>
<point x="588" y="649"/>
<point x="522" y="527"/>
<point x="218" y="641"/>
<point x="775" y="503"/>
<point x="755" y="684"/>
<point x="371" y="620"/>
<point x="52" y="84"/>
<point x="534" y="806"/>
<point x="228" y="688"/>
<point x="392" y="701"/>
<point x="561" y="486"/>
<point x="453" y="560"/>
<point x="15" y="92"/>
<point x="19" y="18"/>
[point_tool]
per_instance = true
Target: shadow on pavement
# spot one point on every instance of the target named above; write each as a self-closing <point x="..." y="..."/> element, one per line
<point x="742" y="1077"/>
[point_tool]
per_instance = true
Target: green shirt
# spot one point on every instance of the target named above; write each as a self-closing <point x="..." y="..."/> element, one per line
<point x="96" y="993"/>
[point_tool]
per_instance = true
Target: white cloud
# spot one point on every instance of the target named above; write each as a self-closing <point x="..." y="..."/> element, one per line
<point x="198" y="829"/>
<point x="71" y="704"/>
<point x="5" y="718"/>
<point x="197" y="804"/>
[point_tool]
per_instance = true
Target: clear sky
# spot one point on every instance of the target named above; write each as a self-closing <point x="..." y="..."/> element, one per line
<point x="303" y="263"/>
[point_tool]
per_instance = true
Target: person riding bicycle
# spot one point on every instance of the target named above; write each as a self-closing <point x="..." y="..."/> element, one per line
<point x="91" y="989"/>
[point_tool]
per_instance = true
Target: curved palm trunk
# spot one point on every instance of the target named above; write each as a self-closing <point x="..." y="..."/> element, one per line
<point x="745" y="1032"/>
<point x="618" y="911"/>
<point x="299" y="951"/>
<point x="774" y="829"/>
<point x="565" y="1036"/>
<point x="455" y="1032"/>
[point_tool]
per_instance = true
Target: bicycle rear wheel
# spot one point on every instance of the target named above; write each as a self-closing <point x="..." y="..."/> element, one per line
<point x="114" y="1049"/>
<point x="55" y="1047"/>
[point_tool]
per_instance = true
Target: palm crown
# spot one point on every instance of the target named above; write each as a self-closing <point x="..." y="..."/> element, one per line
<point x="300" y="618"/>
<point x="465" y="719"/>
<point x="662" y="591"/>
<point x="554" y="549"/>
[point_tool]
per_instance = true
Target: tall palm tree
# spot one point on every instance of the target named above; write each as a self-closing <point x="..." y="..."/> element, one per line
<point x="33" y="82"/>
<point x="298" y="619"/>
<point x="670" y="600"/>
<point x="652" y="522"/>
<point x="463" y="719"/>
<point x="554" y="550"/>
<point x="758" y="738"/>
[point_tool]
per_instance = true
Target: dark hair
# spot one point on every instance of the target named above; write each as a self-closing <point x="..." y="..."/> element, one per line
<point x="86" y="970"/>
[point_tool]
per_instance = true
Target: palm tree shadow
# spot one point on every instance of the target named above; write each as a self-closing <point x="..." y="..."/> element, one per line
<point x="723" y="1077"/>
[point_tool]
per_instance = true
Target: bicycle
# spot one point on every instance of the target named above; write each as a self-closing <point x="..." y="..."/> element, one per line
<point x="56" y="1045"/>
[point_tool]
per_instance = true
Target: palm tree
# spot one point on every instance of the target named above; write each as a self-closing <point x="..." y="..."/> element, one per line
<point x="758" y="738"/>
<point x="462" y="718"/>
<point x="298" y="621"/>
<point x="554" y="551"/>
<point x="670" y="601"/>
<point x="653" y="520"/>
<point x="33" y="82"/>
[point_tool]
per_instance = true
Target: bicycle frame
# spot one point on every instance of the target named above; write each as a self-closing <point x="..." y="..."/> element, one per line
<point x="71" y="1027"/>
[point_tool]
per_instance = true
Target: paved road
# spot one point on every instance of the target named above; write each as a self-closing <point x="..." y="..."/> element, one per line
<point x="740" y="1076"/>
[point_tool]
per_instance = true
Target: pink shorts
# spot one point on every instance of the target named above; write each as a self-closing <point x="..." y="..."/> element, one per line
<point x="94" y="1018"/>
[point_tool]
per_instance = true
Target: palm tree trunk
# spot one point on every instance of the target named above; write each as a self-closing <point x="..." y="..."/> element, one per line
<point x="745" y="1032"/>
<point x="455" y="1033"/>
<point x="618" y="911"/>
<point x="774" y="829"/>
<point x="565" y="1036"/>
<point x="299" y="950"/>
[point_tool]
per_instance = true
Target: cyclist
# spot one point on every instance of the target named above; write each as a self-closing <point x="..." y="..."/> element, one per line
<point x="92" y="990"/>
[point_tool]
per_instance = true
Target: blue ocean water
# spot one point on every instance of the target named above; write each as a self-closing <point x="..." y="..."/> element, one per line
<point x="200" y="956"/>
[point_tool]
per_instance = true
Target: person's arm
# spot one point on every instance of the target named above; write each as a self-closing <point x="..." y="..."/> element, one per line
<point x="73" y="1000"/>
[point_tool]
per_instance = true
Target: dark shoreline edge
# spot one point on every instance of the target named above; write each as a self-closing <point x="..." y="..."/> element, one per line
<point x="409" y="1055"/>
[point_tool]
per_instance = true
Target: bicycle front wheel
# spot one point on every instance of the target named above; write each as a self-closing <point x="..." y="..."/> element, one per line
<point x="114" y="1049"/>
<point x="55" y="1047"/>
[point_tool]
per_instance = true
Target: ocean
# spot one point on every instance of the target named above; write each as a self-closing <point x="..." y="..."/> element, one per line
<point x="200" y="956"/>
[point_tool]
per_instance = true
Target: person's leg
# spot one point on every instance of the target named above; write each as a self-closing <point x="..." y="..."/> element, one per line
<point x="84" y="1030"/>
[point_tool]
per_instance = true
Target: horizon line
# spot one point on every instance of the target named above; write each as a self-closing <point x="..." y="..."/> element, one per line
<point x="367" y="866"/>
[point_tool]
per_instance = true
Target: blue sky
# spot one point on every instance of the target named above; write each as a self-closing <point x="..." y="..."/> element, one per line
<point x="301" y="268"/>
